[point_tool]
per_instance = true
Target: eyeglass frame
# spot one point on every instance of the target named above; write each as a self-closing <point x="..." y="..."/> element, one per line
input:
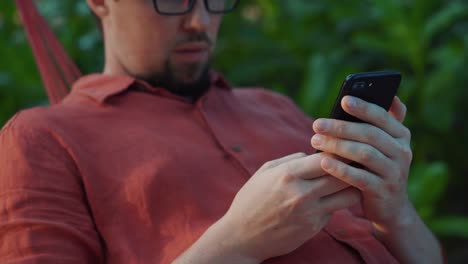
<point x="190" y="8"/>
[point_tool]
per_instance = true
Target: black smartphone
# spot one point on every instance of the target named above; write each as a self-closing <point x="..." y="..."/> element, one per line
<point x="374" y="87"/>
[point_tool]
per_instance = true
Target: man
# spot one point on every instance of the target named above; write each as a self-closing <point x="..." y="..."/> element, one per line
<point x="158" y="160"/>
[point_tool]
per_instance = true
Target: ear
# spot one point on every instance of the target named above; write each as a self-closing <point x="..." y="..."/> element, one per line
<point x="99" y="7"/>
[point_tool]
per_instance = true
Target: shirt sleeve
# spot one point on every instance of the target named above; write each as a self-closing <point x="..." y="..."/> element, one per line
<point x="44" y="216"/>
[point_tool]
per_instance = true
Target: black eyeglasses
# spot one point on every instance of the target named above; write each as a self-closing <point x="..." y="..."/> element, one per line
<point x="181" y="7"/>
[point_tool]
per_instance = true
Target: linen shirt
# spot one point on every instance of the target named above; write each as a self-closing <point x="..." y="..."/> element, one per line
<point x="122" y="172"/>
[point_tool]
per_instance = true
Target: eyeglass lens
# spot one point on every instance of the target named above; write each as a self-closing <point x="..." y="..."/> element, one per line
<point x="182" y="6"/>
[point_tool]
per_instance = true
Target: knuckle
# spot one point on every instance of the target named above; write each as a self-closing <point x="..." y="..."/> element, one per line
<point x="319" y="184"/>
<point x="372" y="134"/>
<point x="367" y="155"/>
<point x="364" y="108"/>
<point x="382" y="118"/>
<point x="288" y="173"/>
<point x="336" y="145"/>
<point x="286" y="178"/>
<point x="343" y="170"/>
<point x="395" y="184"/>
<point x="363" y="183"/>
<point x="340" y="128"/>
<point x="346" y="172"/>
<point x="407" y="133"/>
<point x="405" y="152"/>
<point x="297" y="202"/>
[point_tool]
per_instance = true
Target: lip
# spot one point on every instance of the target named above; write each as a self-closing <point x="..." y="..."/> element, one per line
<point x="192" y="47"/>
<point x="191" y="52"/>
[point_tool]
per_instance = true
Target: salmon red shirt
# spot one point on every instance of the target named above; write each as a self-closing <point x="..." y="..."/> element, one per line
<point x="122" y="172"/>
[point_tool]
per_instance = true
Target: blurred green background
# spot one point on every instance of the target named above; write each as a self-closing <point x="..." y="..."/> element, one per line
<point x="305" y="48"/>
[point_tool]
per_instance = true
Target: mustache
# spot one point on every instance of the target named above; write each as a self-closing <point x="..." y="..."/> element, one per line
<point x="195" y="37"/>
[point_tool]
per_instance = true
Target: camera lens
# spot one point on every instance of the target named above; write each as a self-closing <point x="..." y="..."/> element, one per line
<point x="359" y="85"/>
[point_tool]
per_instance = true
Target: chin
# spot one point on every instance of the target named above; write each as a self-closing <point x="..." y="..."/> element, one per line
<point x="186" y="80"/>
<point x="189" y="74"/>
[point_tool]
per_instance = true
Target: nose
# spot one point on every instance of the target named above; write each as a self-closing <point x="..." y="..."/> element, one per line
<point x="198" y="19"/>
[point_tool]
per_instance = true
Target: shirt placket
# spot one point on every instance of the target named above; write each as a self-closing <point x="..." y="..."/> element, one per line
<point x="232" y="151"/>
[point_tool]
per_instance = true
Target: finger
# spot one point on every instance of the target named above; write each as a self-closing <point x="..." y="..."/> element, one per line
<point x="398" y="109"/>
<point x="324" y="154"/>
<point x="375" y="115"/>
<point x="358" y="178"/>
<point x="359" y="132"/>
<point x="307" y="167"/>
<point x="274" y="163"/>
<point x="361" y="153"/>
<point x="340" y="200"/>
<point x="325" y="185"/>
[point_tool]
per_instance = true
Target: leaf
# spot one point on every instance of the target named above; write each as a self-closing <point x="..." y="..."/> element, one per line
<point x="316" y="82"/>
<point x="441" y="20"/>
<point x="426" y="186"/>
<point x="454" y="226"/>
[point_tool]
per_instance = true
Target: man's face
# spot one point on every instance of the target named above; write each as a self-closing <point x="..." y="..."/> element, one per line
<point x="163" y="50"/>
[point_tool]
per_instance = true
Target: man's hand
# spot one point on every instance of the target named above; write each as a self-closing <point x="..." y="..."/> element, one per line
<point x="382" y="146"/>
<point x="285" y="203"/>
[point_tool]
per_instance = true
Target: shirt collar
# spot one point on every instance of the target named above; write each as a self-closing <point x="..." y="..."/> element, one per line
<point x="102" y="86"/>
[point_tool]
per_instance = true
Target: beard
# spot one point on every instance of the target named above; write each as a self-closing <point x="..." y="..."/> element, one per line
<point x="188" y="80"/>
<point x="192" y="80"/>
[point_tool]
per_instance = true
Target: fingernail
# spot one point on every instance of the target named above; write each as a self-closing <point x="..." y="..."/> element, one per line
<point x="321" y="125"/>
<point x="317" y="140"/>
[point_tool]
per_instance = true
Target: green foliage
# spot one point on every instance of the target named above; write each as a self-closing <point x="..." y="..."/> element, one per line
<point x="426" y="187"/>
<point x="450" y="226"/>
<point x="305" y="49"/>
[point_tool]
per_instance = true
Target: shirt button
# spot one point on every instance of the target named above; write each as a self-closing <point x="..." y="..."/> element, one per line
<point x="236" y="148"/>
<point x="341" y="232"/>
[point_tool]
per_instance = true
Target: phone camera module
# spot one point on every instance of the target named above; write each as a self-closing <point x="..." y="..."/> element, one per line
<point x="360" y="86"/>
